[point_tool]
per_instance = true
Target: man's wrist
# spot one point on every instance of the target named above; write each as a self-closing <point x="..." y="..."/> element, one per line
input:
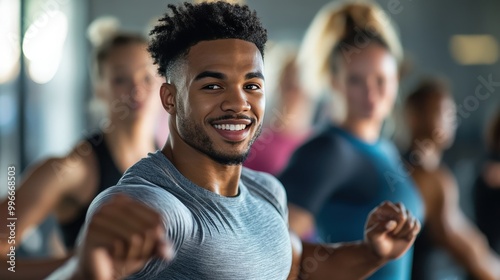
<point x="372" y="254"/>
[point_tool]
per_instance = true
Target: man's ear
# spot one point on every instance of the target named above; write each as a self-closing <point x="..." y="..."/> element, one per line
<point x="167" y="96"/>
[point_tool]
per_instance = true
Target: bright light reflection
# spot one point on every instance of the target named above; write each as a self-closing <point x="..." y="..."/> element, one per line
<point x="474" y="49"/>
<point x="9" y="39"/>
<point x="43" y="46"/>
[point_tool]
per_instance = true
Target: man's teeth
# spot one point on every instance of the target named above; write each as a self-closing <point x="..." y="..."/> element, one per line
<point x="233" y="127"/>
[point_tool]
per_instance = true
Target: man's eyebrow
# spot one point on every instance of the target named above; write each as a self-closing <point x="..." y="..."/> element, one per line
<point x="125" y="66"/>
<point x="210" y="74"/>
<point x="252" y="75"/>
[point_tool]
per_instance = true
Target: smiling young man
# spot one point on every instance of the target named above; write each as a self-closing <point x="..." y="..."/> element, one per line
<point x="190" y="211"/>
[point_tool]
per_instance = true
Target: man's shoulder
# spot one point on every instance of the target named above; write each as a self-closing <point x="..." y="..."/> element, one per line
<point x="265" y="185"/>
<point x="260" y="179"/>
<point x="150" y="161"/>
<point x="150" y="180"/>
<point x="324" y="141"/>
<point x="150" y="194"/>
<point x="154" y="168"/>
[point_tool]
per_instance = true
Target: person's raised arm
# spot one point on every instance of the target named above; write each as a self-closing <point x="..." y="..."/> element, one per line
<point x="389" y="232"/>
<point x="43" y="188"/>
<point x="450" y="228"/>
<point x="37" y="196"/>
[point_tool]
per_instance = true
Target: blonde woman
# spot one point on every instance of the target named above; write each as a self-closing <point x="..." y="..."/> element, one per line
<point x="334" y="180"/>
<point x="126" y="84"/>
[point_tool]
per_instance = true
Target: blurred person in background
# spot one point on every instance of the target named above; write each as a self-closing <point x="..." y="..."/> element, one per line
<point x="126" y="84"/>
<point x="289" y="114"/>
<point x="431" y="119"/>
<point x="487" y="187"/>
<point x="337" y="176"/>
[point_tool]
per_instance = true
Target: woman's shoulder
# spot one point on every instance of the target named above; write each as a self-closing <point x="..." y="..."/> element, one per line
<point x="326" y="136"/>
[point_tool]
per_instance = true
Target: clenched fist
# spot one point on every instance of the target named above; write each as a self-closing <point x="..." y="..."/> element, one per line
<point x="390" y="230"/>
<point x="121" y="237"/>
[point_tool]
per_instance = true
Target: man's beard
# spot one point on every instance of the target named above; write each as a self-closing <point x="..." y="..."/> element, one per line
<point x="194" y="135"/>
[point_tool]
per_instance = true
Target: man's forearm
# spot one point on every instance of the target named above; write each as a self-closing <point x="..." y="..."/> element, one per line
<point x="31" y="269"/>
<point x="353" y="260"/>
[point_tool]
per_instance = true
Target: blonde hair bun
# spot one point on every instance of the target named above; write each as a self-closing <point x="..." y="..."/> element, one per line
<point x="101" y="29"/>
<point x="330" y="26"/>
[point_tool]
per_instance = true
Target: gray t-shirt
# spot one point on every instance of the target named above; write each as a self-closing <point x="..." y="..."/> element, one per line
<point x="214" y="237"/>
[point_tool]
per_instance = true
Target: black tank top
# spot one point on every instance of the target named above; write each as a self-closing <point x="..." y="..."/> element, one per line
<point x="108" y="177"/>
<point x="487" y="208"/>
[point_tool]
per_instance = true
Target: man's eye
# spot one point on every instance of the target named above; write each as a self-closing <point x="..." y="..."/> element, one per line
<point x="252" y="87"/>
<point x="212" y="87"/>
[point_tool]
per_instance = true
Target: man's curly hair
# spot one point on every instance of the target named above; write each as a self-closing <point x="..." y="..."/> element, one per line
<point x="188" y="24"/>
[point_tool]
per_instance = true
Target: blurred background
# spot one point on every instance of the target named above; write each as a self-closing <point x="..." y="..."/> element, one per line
<point x="45" y="84"/>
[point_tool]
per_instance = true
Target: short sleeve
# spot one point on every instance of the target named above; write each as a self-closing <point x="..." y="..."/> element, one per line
<point x="314" y="173"/>
<point x="269" y="188"/>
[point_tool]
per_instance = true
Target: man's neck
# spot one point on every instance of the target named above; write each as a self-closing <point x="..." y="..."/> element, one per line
<point x="201" y="169"/>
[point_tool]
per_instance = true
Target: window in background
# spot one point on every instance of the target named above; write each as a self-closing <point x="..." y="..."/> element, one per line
<point x="44" y="39"/>
<point x="55" y="52"/>
<point x="10" y="14"/>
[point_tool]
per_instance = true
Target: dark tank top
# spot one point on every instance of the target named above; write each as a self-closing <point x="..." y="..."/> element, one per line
<point x="423" y="248"/>
<point x="109" y="175"/>
<point x="487" y="207"/>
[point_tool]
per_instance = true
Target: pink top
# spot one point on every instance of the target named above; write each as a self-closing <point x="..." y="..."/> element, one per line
<point x="271" y="152"/>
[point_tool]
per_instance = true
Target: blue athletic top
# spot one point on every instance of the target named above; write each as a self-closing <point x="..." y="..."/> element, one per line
<point x="340" y="179"/>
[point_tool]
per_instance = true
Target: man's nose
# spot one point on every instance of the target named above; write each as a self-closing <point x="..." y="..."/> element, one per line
<point x="235" y="100"/>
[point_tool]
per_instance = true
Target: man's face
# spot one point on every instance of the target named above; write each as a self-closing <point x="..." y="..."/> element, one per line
<point x="438" y="119"/>
<point x="220" y="99"/>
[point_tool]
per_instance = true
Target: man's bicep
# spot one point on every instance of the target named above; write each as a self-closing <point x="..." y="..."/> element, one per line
<point x="96" y="203"/>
